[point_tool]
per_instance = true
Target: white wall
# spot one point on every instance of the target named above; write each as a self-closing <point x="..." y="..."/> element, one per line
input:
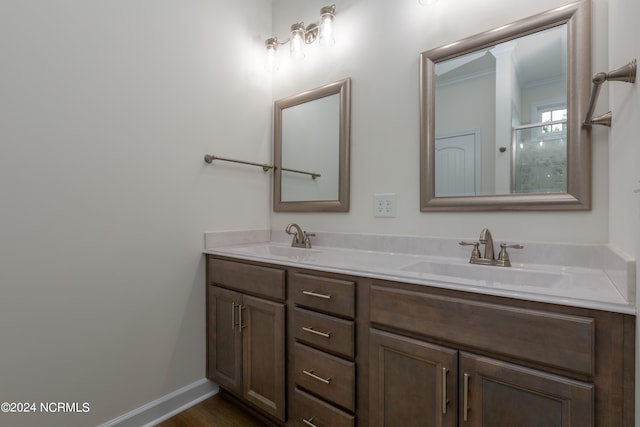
<point x="106" y="111"/>
<point x="378" y="46"/>
<point x="624" y="141"/>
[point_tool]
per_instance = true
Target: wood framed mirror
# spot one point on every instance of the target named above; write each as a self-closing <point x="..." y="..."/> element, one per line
<point x="501" y="117"/>
<point x="311" y="150"/>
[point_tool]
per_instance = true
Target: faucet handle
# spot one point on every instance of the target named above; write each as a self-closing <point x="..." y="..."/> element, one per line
<point x="475" y="253"/>
<point x="513" y="246"/>
<point x="307" y="241"/>
<point x="503" y="256"/>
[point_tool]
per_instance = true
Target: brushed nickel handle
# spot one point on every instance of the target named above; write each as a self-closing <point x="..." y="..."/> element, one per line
<point x="317" y="295"/>
<point x="503" y="256"/>
<point x="444" y="390"/>
<point x="240" y="308"/>
<point x="313" y="331"/>
<point x="475" y="253"/>
<point x="465" y="392"/>
<point x="233" y="315"/>
<point x="514" y="246"/>
<point x="315" y="377"/>
<point x="308" y="422"/>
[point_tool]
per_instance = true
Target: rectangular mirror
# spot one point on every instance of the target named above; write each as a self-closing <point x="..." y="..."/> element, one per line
<point x="501" y="117"/>
<point x="311" y="150"/>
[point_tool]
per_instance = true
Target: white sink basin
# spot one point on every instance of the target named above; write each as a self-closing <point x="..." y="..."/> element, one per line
<point x="270" y="251"/>
<point x="489" y="275"/>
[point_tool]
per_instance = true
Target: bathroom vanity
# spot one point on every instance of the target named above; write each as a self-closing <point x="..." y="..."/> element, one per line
<point x="307" y="341"/>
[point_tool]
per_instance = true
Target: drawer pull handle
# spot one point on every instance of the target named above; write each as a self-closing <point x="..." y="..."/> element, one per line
<point x="308" y="422"/>
<point x="317" y="295"/>
<point x="444" y="390"/>
<point x="313" y="331"/>
<point x="465" y="409"/>
<point x="315" y="377"/>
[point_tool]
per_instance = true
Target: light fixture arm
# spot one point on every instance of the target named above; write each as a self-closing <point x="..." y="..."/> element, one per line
<point x="311" y="33"/>
<point x="273" y="42"/>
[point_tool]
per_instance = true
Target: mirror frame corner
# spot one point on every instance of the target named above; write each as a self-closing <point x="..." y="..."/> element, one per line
<point x="343" y="88"/>
<point x="577" y="16"/>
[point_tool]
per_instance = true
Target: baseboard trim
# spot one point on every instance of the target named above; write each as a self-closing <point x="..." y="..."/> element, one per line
<point x="167" y="406"/>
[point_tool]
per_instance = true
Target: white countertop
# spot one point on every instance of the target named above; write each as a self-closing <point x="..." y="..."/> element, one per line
<point x="577" y="286"/>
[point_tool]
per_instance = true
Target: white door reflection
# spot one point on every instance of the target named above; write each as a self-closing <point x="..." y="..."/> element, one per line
<point x="457" y="164"/>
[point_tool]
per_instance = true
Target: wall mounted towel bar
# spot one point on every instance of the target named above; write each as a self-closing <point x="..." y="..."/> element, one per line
<point x="209" y="158"/>
<point x="626" y="73"/>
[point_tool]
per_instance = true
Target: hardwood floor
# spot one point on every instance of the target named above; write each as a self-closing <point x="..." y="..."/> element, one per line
<point x="217" y="411"/>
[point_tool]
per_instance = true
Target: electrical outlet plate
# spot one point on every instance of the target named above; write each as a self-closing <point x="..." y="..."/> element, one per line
<point x="384" y="205"/>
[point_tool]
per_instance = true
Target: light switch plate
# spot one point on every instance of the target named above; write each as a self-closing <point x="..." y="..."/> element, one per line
<point x="384" y="205"/>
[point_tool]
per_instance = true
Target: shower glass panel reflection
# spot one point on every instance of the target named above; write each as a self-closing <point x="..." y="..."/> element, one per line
<point x="539" y="156"/>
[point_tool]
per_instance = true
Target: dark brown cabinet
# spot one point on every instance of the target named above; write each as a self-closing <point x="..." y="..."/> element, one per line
<point x="496" y="393"/>
<point x="224" y="343"/>
<point x="519" y="365"/>
<point x="246" y="340"/>
<point x="416" y="383"/>
<point x="412" y="383"/>
<point x="346" y="351"/>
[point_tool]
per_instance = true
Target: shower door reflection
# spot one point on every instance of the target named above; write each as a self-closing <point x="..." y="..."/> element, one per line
<point x="539" y="158"/>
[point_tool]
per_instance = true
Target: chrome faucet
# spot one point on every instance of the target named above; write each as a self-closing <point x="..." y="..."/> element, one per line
<point x="489" y="255"/>
<point x="300" y="238"/>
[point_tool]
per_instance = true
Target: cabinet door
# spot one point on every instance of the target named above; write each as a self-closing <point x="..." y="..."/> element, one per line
<point x="495" y="393"/>
<point x="262" y="327"/>
<point x="224" y="342"/>
<point x="412" y="383"/>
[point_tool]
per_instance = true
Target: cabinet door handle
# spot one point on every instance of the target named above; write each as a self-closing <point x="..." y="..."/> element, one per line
<point x="313" y="331"/>
<point x="444" y="390"/>
<point x="240" y="308"/>
<point x="315" y="377"/>
<point x="233" y="315"/>
<point x="317" y="295"/>
<point x="465" y="393"/>
<point x="308" y="422"/>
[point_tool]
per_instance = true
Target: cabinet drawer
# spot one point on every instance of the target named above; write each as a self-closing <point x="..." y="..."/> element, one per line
<point x="322" y="293"/>
<point x="318" y="413"/>
<point x="253" y="279"/>
<point x="325" y="375"/>
<point x="327" y="332"/>
<point x="559" y="340"/>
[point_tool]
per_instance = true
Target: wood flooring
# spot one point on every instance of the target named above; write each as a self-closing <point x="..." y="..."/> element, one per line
<point x="217" y="411"/>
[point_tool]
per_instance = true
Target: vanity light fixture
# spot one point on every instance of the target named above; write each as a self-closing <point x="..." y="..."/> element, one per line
<point x="301" y="35"/>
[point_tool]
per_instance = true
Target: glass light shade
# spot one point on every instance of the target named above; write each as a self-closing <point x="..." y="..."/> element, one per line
<point x="297" y="41"/>
<point x="271" y="60"/>
<point x="272" y="48"/>
<point x="327" y="37"/>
